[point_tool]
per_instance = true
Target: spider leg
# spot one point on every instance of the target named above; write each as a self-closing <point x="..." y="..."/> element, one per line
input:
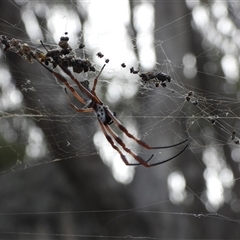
<point x="108" y="137"/>
<point x="81" y="87"/>
<point x="82" y="110"/>
<point x="140" y="142"/>
<point x="164" y="161"/>
<point x="138" y="158"/>
<point x="43" y="45"/>
<point x="63" y="80"/>
<point x="96" y="80"/>
<point x="91" y="94"/>
<point x="119" y="141"/>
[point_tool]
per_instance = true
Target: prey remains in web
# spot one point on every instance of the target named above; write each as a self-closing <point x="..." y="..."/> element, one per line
<point x="65" y="59"/>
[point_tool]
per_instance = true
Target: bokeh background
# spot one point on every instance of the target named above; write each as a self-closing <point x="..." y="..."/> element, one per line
<point x="61" y="180"/>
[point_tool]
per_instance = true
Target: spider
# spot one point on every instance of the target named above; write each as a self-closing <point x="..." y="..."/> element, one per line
<point x="106" y="117"/>
<point x="88" y="97"/>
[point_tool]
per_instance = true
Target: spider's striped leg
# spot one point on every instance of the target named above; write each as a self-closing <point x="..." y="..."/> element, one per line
<point x="140" y="142"/>
<point x="82" y="110"/>
<point x="120" y="142"/>
<point x="63" y="80"/>
<point x="80" y="86"/>
<point x="68" y="72"/>
<point x="108" y="137"/>
<point x="138" y="158"/>
<point x="96" y="80"/>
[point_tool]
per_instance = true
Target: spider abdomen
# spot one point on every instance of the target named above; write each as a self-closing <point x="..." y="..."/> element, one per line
<point x="102" y="114"/>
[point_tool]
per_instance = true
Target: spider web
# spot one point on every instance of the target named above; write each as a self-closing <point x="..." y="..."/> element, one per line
<point x="47" y="130"/>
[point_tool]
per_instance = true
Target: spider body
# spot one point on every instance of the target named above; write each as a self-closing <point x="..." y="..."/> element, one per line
<point x="102" y="114"/>
<point x="100" y="110"/>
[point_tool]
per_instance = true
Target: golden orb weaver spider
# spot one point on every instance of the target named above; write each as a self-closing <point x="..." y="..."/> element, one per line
<point x="106" y="117"/>
<point x="88" y="97"/>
